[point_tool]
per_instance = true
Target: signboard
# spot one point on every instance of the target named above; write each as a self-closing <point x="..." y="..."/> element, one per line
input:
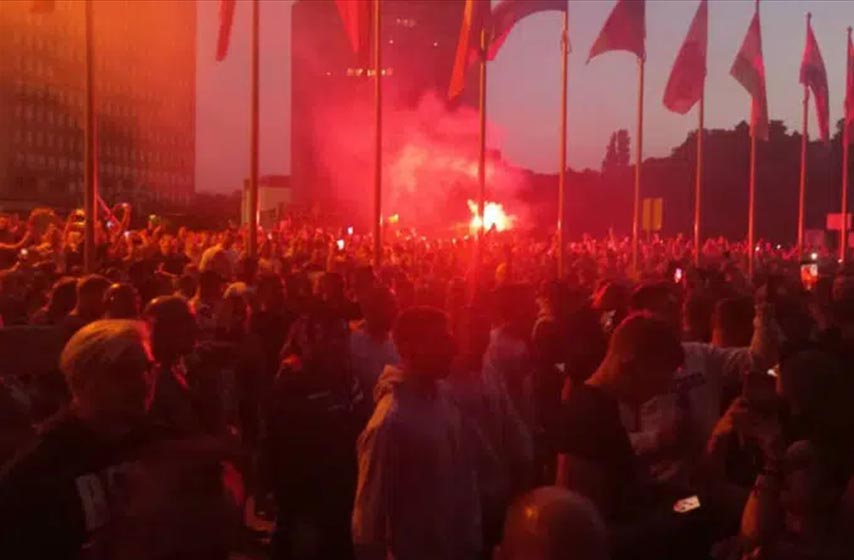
<point x="652" y="214"/>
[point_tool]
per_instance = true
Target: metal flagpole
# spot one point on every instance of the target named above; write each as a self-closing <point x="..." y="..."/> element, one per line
<point x="843" y="229"/>
<point x="90" y="169"/>
<point x="561" y="202"/>
<point x="751" y="240"/>
<point x="252" y="241"/>
<point x="378" y="141"/>
<point x="638" y="162"/>
<point x="803" y="185"/>
<point x="698" y="185"/>
<point x="481" y="165"/>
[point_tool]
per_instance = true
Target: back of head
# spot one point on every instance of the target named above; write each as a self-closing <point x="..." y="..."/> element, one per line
<point x="106" y="364"/>
<point x="90" y="295"/>
<point x="63" y="296"/>
<point x="121" y="301"/>
<point x="645" y="350"/>
<point x="379" y="308"/>
<point x="173" y="327"/>
<point x="733" y="322"/>
<point x="553" y="523"/>
<point x="423" y="339"/>
<point x="515" y="305"/>
<point x="657" y="298"/>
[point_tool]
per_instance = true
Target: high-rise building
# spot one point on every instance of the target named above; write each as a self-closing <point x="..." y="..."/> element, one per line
<point x="144" y="67"/>
<point x="329" y="82"/>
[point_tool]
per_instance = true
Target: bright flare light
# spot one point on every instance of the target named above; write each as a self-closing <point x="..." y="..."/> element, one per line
<point x="494" y="216"/>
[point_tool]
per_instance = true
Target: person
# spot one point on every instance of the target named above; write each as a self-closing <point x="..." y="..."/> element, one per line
<point x="595" y="455"/>
<point x="90" y="303"/>
<point x="205" y="305"/>
<point x="63" y="298"/>
<point x="504" y="447"/>
<point x="121" y="301"/>
<point x="417" y="494"/>
<point x="371" y="347"/>
<point x="61" y="489"/>
<point x="552" y="523"/>
<point x="173" y="338"/>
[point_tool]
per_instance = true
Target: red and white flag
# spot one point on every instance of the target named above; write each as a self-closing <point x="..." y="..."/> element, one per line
<point x="688" y="77"/>
<point x="356" y="16"/>
<point x="226" y="18"/>
<point x="814" y="76"/>
<point x="475" y="17"/>
<point x="749" y="69"/>
<point x="624" y="30"/>
<point x="507" y="13"/>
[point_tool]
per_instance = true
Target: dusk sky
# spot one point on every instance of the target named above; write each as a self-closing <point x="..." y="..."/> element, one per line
<point x="524" y="89"/>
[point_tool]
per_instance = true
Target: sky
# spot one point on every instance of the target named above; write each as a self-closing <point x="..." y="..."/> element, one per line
<point x="523" y="102"/>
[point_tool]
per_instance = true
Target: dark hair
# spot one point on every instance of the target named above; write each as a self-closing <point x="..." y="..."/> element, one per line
<point x="416" y="322"/>
<point x="92" y="285"/>
<point x="646" y="336"/>
<point x="646" y="297"/>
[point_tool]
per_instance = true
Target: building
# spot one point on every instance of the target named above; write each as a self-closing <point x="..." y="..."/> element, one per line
<point x="144" y="56"/>
<point x="332" y="88"/>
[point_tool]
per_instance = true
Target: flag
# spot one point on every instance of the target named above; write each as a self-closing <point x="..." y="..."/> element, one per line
<point x="356" y="17"/>
<point x="475" y="16"/>
<point x="508" y="12"/>
<point x="849" y="84"/>
<point x="688" y="77"/>
<point x="41" y="6"/>
<point x="226" y="18"/>
<point x="624" y="30"/>
<point x="814" y="76"/>
<point x="749" y="69"/>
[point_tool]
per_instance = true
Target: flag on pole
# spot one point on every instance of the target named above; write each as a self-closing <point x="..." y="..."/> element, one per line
<point x="42" y="6"/>
<point x="624" y="30"/>
<point x="475" y="15"/>
<point x="814" y="76"/>
<point x="508" y="12"/>
<point x="849" y="84"/>
<point x="226" y="18"/>
<point x="749" y="70"/>
<point x="356" y="17"/>
<point x="688" y="77"/>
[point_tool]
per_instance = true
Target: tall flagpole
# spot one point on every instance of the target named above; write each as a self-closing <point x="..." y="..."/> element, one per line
<point x="803" y="184"/>
<point x="90" y="169"/>
<point x="481" y="165"/>
<point x="843" y="231"/>
<point x="638" y="162"/>
<point x="751" y="240"/>
<point x="378" y="139"/>
<point x="698" y="184"/>
<point x="561" y="202"/>
<point x="252" y="234"/>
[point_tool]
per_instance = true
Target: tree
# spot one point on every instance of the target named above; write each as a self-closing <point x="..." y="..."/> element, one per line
<point x="617" y="154"/>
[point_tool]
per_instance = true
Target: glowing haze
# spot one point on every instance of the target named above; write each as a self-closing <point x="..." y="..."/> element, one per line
<point x="523" y="99"/>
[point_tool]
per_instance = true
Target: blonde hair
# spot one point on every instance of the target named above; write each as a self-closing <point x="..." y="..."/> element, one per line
<point x="99" y="349"/>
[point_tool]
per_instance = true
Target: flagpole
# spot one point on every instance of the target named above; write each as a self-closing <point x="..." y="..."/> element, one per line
<point x="803" y="184"/>
<point x="378" y="142"/>
<point x="561" y="202"/>
<point x="252" y="234"/>
<point x="751" y="241"/>
<point x="698" y="184"/>
<point x="90" y="169"/>
<point x="481" y="166"/>
<point x="638" y="162"/>
<point x="843" y="229"/>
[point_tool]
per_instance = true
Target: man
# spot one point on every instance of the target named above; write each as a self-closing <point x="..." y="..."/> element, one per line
<point x="173" y="337"/>
<point x="64" y="487"/>
<point x="596" y="458"/>
<point x="417" y="494"/>
<point x="371" y="347"/>
<point x="552" y="523"/>
<point x="90" y="303"/>
<point x="670" y="431"/>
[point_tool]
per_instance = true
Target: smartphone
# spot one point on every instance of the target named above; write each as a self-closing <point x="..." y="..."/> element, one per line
<point x="678" y="274"/>
<point x="350" y="230"/>
<point x="127" y="235"/>
<point x="340" y="244"/>
<point x="809" y="275"/>
<point x="687" y="504"/>
<point x="23" y="254"/>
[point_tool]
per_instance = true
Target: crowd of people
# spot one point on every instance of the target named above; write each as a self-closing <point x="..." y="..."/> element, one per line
<point x="457" y="401"/>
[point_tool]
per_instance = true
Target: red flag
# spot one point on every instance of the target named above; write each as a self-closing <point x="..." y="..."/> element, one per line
<point x="226" y="18"/>
<point x="688" y="77"/>
<point x="624" y="30"/>
<point x="475" y="15"/>
<point x="42" y="6"/>
<point x="849" y="84"/>
<point x="749" y="69"/>
<point x="814" y="76"/>
<point x="356" y="16"/>
<point x="508" y="12"/>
